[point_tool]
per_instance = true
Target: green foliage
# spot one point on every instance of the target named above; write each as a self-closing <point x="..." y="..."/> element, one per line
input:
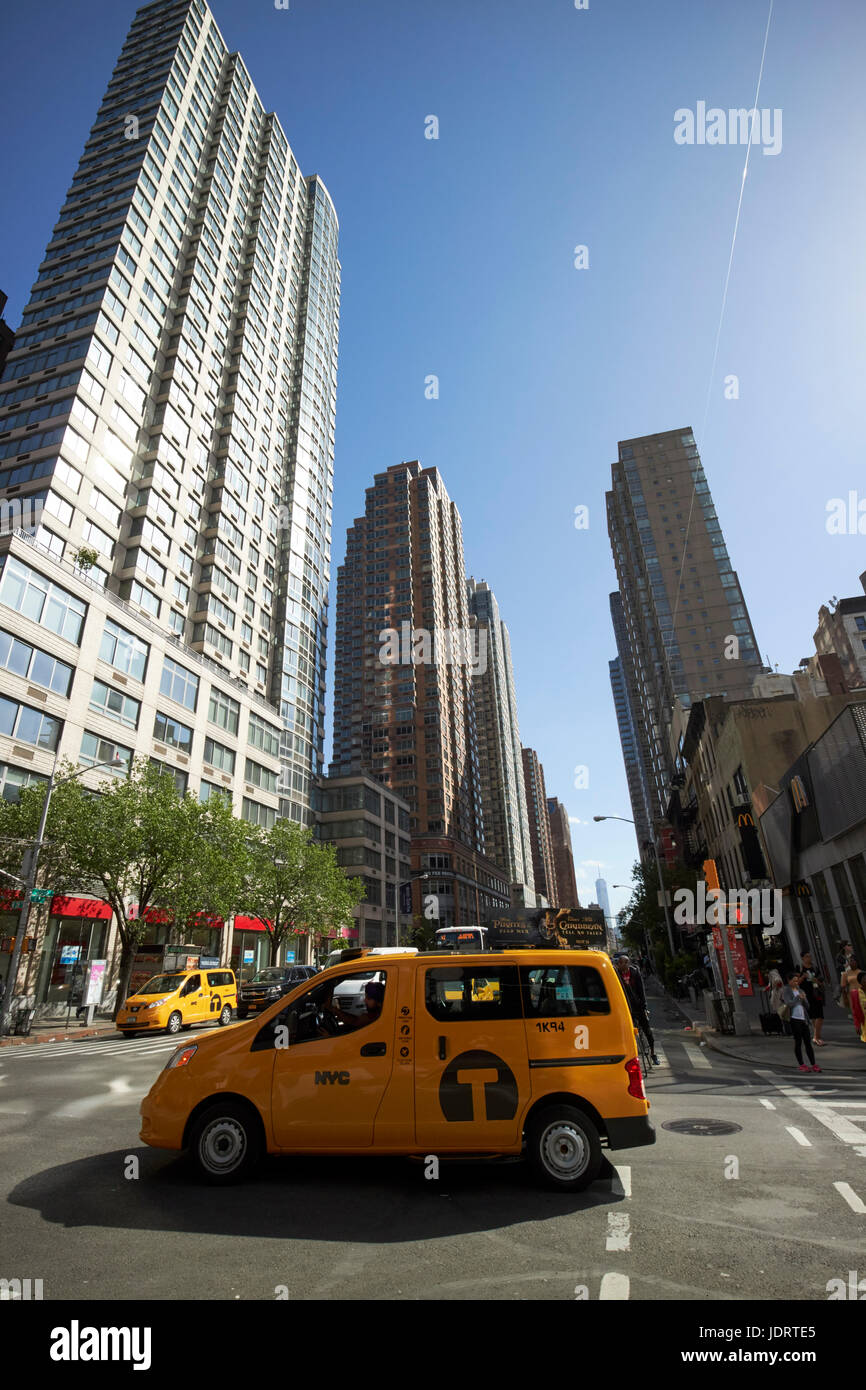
<point x="293" y="882"/>
<point x="421" y="934"/>
<point x="646" y="915"/>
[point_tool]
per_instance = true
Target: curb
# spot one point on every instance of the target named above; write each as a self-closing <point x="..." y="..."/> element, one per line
<point x="710" y="1037"/>
<point x="60" y="1036"/>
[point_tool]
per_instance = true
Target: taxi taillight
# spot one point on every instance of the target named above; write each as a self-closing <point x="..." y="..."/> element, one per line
<point x="635" y="1079"/>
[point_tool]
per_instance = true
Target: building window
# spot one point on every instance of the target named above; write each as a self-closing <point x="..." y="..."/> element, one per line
<point x="223" y="711"/>
<point x="29" y="725"/>
<point x="106" y="700"/>
<point x="27" y="592"/>
<point x="257" y="814"/>
<point x="169" y="730"/>
<point x="101" y="750"/>
<point x="34" y="665"/>
<point x="123" y="650"/>
<point x="260" y="776"/>
<point x="12" y="779"/>
<point x="219" y="756"/>
<point x="179" y="684"/>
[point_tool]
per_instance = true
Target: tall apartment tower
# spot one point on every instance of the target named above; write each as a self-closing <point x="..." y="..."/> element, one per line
<point x="686" y="631"/>
<point x="543" y="871"/>
<point x="503" y="795"/>
<point x="403" y="709"/>
<point x="169" y="403"/>
<point x="563" y="859"/>
<point x="626" y="718"/>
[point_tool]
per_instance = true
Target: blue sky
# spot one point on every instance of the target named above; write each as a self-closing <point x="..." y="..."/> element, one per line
<point x="555" y="129"/>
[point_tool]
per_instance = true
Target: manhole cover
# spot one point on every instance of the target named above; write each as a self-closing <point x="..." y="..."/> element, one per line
<point x="707" y="1127"/>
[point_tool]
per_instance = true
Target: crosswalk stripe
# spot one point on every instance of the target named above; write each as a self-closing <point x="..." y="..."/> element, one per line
<point x="109" y="1049"/>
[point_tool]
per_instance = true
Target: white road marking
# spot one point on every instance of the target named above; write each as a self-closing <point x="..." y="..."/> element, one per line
<point x="855" y="1203"/>
<point x="621" y="1185"/>
<point x="699" y="1059"/>
<point x="799" y="1136"/>
<point x="614" y="1286"/>
<point x="767" y="1104"/>
<point x="662" y="1058"/>
<point x="618" y="1231"/>
<point x="846" y="1129"/>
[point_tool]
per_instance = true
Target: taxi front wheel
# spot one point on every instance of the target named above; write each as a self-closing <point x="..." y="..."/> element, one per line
<point x="225" y="1143"/>
<point x="563" y="1148"/>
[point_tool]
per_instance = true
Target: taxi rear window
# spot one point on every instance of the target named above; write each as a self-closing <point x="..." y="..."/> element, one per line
<point x="477" y="993"/>
<point x="562" y="991"/>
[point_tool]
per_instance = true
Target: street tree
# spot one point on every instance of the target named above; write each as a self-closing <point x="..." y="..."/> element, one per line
<point x="295" y="885"/>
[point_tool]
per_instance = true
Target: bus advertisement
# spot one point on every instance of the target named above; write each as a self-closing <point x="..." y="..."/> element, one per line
<point x="557" y="928"/>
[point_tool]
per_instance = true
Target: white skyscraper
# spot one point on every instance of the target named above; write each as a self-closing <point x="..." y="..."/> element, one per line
<point x="169" y="408"/>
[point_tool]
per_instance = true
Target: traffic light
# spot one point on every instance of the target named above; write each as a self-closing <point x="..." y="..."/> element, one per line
<point x="711" y="874"/>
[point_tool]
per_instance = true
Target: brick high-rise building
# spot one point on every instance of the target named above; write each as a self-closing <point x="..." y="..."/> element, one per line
<point x="563" y="859"/>
<point x="543" y="871"/>
<point x="404" y="707"/>
<point x="167" y="425"/>
<point x="503" y="795"/>
<point x="686" y="630"/>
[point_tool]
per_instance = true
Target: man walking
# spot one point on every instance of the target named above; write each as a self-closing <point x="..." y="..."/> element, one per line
<point x="636" y="996"/>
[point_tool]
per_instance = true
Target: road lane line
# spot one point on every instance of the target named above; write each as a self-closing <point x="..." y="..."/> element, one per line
<point x="767" y="1104"/>
<point x="799" y="1136"/>
<point x="614" y="1286"/>
<point x="621" y="1185"/>
<point x="855" y="1203"/>
<point x="618" y="1231"/>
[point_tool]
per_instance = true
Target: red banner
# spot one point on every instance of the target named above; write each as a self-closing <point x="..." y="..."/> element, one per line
<point x="738" y="956"/>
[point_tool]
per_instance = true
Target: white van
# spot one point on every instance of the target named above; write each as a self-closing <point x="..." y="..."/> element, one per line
<point x="349" y="996"/>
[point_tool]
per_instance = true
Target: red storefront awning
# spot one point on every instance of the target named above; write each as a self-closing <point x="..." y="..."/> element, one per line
<point x="80" y="907"/>
<point x="249" y="924"/>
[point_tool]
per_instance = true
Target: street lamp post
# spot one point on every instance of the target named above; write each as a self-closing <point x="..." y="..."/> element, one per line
<point x="29" y="879"/>
<point x="416" y="878"/>
<point x="663" y="894"/>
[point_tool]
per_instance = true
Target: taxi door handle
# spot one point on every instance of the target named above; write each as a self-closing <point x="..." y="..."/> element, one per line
<point x="374" y="1049"/>
<point x="443" y="1047"/>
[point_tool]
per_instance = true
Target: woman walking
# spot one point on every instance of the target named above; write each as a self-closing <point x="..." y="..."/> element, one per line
<point x="813" y="987"/>
<point x="850" y="995"/>
<point x="794" y="997"/>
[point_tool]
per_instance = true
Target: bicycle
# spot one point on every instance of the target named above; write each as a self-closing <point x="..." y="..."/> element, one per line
<point x="643" y="1052"/>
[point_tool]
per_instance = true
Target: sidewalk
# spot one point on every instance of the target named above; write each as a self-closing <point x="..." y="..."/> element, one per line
<point x="59" y="1032"/>
<point x="843" y="1053"/>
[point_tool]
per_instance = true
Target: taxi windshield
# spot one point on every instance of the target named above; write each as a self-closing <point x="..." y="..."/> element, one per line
<point x="162" y="984"/>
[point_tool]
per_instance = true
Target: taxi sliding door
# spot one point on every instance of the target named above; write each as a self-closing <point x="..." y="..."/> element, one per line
<point x="471" y="1070"/>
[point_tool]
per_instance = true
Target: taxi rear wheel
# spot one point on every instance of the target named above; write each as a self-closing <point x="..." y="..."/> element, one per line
<point x="225" y="1143"/>
<point x="225" y="1015"/>
<point x="564" y="1148"/>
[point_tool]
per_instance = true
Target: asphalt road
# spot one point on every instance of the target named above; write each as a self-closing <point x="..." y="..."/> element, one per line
<point x="773" y="1210"/>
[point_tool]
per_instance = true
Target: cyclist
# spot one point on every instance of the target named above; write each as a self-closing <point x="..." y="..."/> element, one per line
<point x="636" y="996"/>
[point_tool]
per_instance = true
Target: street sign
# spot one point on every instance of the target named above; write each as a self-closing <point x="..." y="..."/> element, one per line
<point x="41" y="895"/>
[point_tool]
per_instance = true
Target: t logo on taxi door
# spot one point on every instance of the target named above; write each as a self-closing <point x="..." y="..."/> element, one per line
<point x="477" y="1085"/>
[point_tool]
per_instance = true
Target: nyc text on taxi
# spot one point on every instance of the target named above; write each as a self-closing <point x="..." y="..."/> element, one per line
<point x="490" y="1054"/>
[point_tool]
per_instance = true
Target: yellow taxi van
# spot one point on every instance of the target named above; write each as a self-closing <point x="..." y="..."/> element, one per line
<point x="179" y="999"/>
<point x="516" y="1052"/>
